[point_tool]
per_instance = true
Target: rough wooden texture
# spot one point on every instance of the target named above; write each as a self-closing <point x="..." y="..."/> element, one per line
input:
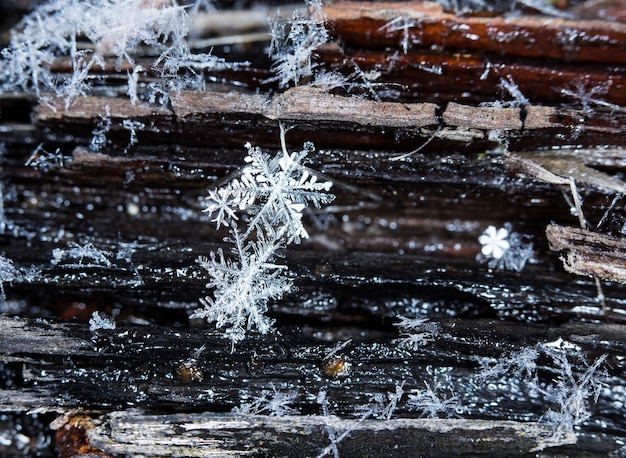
<point x="330" y="118"/>
<point x="230" y="435"/>
<point x="425" y="53"/>
<point x="528" y="37"/>
<point x="589" y="253"/>
<point x="400" y="239"/>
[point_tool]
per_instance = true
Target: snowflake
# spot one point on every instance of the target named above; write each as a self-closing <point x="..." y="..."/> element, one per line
<point x="274" y="404"/>
<point x="293" y="43"/>
<point x="432" y="404"/>
<point x="100" y="321"/>
<point x="505" y="249"/>
<point x="494" y="242"/>
<point x="416" y="332"/>
<point x="274" y="192"/>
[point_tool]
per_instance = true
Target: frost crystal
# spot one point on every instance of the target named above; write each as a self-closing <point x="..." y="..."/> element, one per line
<point x="505" y="249"/>
<point x="119" y="27"/>
<point x="274" y="192"/>
<point x="293" y="43"/>
<point x="401" y="24"/>
<point x="586" y="95"/>
<point x="274" y="404"/>
<point x="335" y="435"/>
<point x="8" y="272"/>
<point x="416" y="332"/>
<point x="100" y="321"/>
<point x="570" y="391"/>
<point x="432" y="404"/>
<point x="78" y="252"/>
<point x="519" y="99"/>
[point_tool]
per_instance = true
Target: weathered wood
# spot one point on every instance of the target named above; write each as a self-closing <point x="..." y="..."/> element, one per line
<point x="401" y="239"/>
<point x="327" y="118"/>
<point x="589" y="253"/>
<point x="429" y="27"/>
<point x="132" y="433"/>
<point x="135" y="366"/>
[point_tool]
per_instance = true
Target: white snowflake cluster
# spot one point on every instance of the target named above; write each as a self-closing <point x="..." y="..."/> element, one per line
<point x="273" y="192"/>
<point x="100" y="321"/>
<point x="56" y="28"/>
<point x="415" y="332"/>
<point x="574" y="384"/>
<point x="294" y="42"/>
<point x="505" y="249"/>
<point x="274" y="403"/>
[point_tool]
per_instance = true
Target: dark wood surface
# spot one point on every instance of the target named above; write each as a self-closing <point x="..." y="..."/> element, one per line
<point x="400" y="239"/>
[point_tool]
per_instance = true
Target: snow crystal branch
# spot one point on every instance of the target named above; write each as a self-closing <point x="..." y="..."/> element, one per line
<point x="294" y="42"/>
<point x="274" y="403"/>
<point x="117" y="27"/>
<point x="416" y="332"/>
<point x="575" y="382"/>
<point x="586" y="95"/>
<point x="402" y="24"/>
<point x="77" y="252"/>
<point x="335" y="435"/>
<point x="274" y="192"/>
<point x="432" y="404"/>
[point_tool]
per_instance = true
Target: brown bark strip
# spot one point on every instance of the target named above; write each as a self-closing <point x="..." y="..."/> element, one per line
<point x="589" y="253"/>
<point x="199" y="119"/>
<point x="593" y="41"/>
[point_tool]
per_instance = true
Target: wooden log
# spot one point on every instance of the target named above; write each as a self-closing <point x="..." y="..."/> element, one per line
<point x="131" y="433"/>
<point x="328" y="118"/>
<point x="137" y="366"/>
<point x="425" y="25"/>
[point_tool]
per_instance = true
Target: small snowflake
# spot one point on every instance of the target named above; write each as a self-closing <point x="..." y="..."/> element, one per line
<point x="494" y="242"/>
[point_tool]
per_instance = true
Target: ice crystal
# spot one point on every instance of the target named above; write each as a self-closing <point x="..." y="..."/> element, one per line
<point x="8" y="273"/>
<point x="45" y="161"/>
<point x="402" y="24"/>
<point x="99" y="133"/>
<point x="336" y="435"/>
<point x="285" y="186"/>
<point x="416" y="332"/>
<point x="586" y="95"/>
<point x="273" y="403"/>
<point x="494" y="242"/>
<point x="294" y="42"/>
<point x="433" y="404"/>
<point x="570" y="392"/>
<point x="520" y="364"/>
<point x="393" y="398"/>
<point x="519" y="99"/>
<point x="274" y="192"/>
<point x="118" y="27"/>
<point x="100" y="321"/>
<point x="505" y="249"/>
<point x="77" y="252"/>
